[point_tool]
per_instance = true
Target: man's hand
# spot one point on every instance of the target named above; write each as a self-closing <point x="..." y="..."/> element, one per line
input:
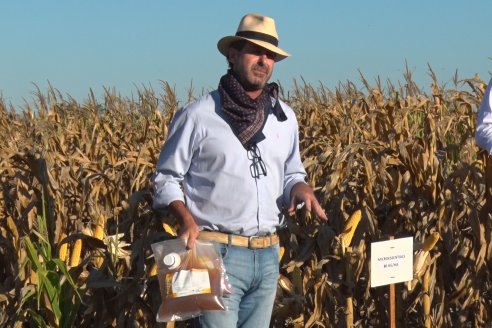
<point x="188" y="229"/>
<point x="302" y="192"/>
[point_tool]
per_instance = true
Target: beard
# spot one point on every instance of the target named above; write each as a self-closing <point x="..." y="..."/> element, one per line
<point x="253" y="78"/>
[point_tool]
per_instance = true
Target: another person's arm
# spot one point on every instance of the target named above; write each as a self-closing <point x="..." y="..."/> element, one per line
<point x="483" y="135"/>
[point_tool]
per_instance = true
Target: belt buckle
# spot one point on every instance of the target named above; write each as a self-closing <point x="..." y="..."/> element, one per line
<point x="250" y="240"/>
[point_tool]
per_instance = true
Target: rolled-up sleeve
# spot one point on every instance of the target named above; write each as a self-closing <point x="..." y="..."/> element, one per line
<point x="294" y="169"/>
<point x="174" y="161"/>
<point x="483" y="134"/>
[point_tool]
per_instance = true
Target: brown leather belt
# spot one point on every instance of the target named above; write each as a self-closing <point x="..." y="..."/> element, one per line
<point x="252" y="242"/>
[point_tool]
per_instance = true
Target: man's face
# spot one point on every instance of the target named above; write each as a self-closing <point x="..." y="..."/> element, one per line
<point x="252" y="66"/>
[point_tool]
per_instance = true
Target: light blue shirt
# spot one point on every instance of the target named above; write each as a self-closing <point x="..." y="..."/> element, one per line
<point x="204" y="165"/>
<point x="483" y="135"/>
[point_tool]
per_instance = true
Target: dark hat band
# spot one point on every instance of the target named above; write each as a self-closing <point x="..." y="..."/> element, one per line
<point x="258" y="36"/>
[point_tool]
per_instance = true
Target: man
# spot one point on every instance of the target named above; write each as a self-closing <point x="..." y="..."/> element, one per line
<point x="483" y="134"/>
<point x="235" y="152"/>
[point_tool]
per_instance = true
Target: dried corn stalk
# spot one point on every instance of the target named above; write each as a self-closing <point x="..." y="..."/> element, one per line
<point x="421" y="259"/>
<point x="345" y="240"/>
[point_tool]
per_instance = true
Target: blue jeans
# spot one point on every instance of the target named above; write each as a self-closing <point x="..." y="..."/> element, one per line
<point x="253" y="275"/>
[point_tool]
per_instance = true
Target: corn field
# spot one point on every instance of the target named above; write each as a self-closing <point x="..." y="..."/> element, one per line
<point x="385" y="160"/>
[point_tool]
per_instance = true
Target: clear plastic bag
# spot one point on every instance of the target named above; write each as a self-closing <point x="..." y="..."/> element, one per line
<point x="190" y="281"/>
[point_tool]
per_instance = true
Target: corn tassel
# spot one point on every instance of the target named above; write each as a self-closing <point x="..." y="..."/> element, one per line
<point x="348" y="233"/>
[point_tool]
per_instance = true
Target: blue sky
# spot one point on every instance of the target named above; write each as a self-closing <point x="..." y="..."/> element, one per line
<point x="125" y="45"/>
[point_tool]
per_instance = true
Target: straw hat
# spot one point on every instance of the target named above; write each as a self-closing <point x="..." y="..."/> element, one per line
<point x="258" y="29"/>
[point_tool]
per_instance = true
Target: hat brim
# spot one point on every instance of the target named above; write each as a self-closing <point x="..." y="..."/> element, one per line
<point x="224" y="44"/>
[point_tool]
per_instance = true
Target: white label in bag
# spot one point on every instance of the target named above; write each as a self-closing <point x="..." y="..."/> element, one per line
<point x="189" y="282"/>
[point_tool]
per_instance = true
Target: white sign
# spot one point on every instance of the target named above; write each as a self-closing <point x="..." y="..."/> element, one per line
<point x="391" y="261"/>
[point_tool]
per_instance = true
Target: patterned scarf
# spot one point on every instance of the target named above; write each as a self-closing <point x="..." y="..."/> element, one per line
<point x="245" y="115"/>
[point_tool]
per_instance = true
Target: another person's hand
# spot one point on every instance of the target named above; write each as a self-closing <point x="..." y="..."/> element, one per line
<point x="303" y="193"/>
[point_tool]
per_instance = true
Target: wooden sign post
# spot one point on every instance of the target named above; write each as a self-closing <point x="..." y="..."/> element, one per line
<point x="391" y="262"/>
<point x="392" y="299"/>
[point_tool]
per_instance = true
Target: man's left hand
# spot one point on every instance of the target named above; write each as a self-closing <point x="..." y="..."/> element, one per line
<point x="302" y="192"/>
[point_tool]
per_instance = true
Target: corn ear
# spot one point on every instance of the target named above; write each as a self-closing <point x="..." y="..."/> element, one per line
<point x="169" y="229"/>
<point x="99" y="234"/>
<point x="431" y="241"/>
<point x="99" y="230"/>
<point x="421" y="259"/>
<point x="420" y="263"/>
<point x="76" y="252"/>
<point x="350" y="226"/>
<point x="63" y="250"/>
<point x="33" y="277"/>
<point x="286" y="284"/>
<point x="98" y="261"/>
<point x="153" y="270"/>
<point x="281" y="253"/>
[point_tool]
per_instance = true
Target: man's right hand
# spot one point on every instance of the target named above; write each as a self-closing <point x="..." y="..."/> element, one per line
<point x="188" y="229"/>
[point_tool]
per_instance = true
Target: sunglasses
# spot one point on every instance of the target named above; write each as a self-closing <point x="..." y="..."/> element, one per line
<point x="257" y="167"/>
